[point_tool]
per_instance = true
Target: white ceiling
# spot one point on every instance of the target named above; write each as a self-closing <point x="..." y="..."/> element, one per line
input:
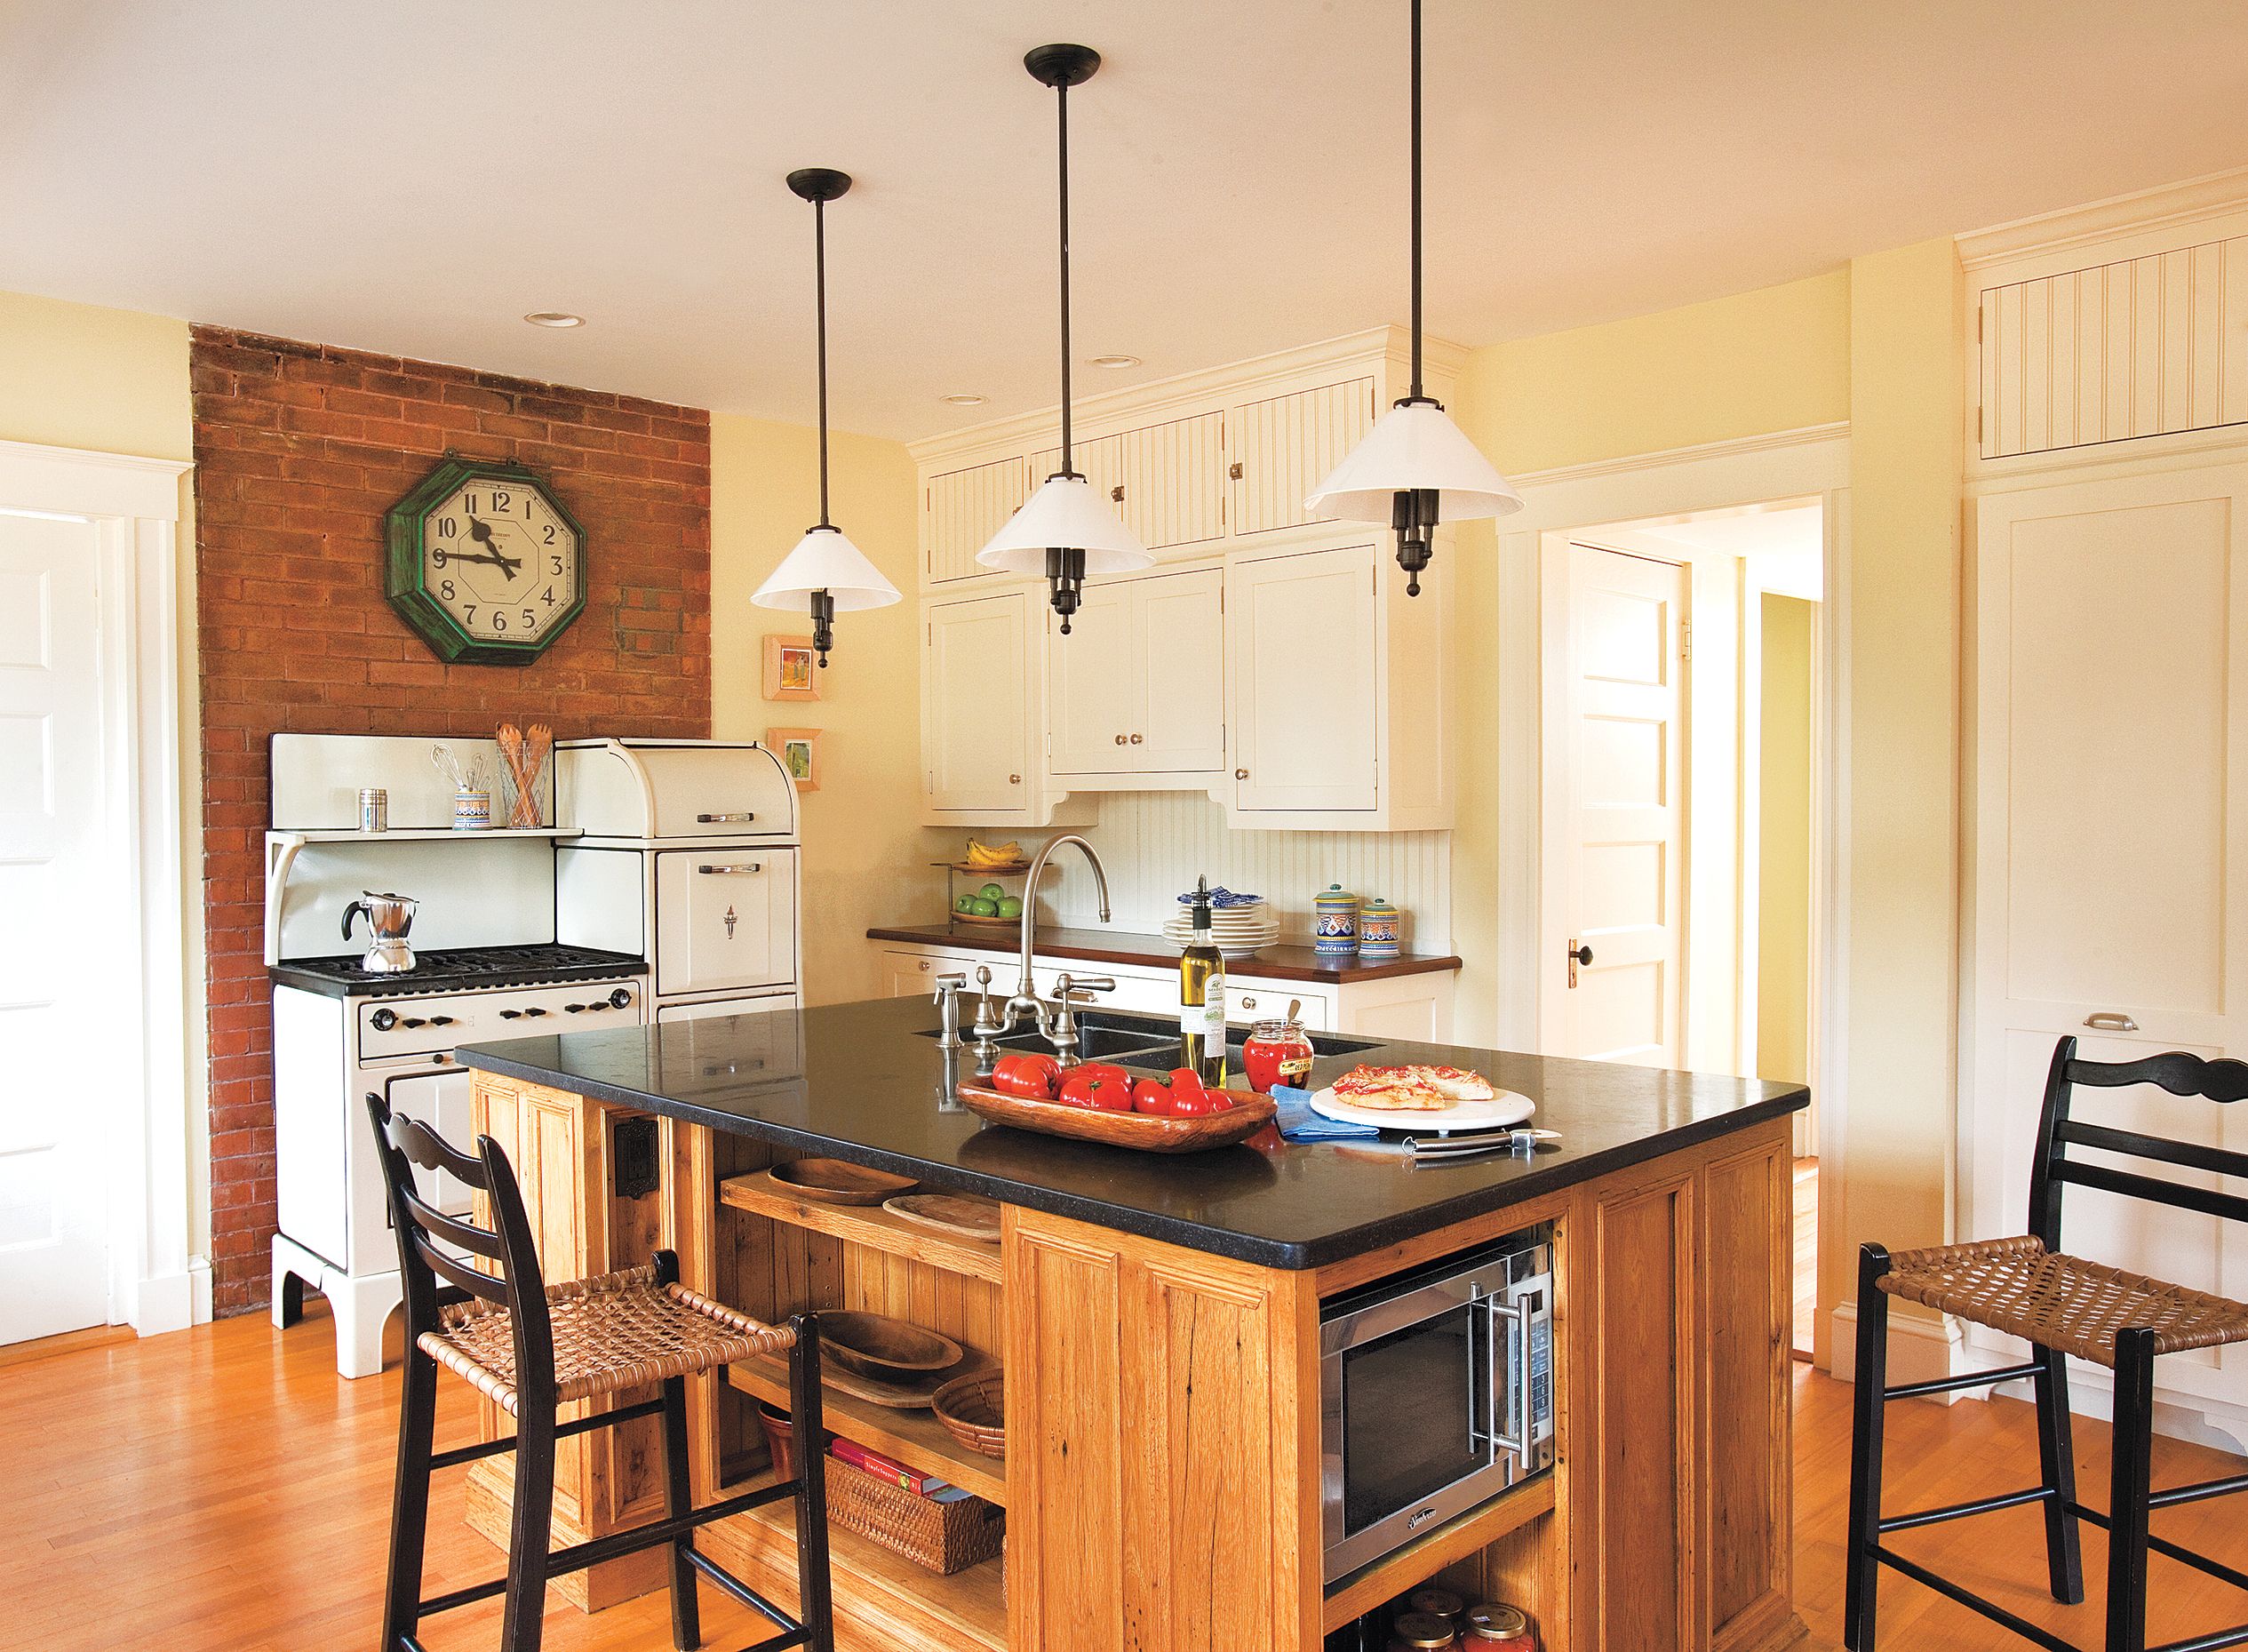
<point x="412" y="176"/>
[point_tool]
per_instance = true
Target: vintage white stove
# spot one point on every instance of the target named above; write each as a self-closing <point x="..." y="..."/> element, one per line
<point x="668" y="890"/>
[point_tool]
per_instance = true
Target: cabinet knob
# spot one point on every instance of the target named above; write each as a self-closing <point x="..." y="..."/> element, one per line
<point x="1117" y="493"/>
<point x="1014" y="779"/>
<point x="1248" y="1003"/>
<point x="1241" y="774"/>
<point x="1136" y="739"/>
<point x="1234" y="470"/>
<point x="922" y="966"/>
<point x="1120" y="739"/>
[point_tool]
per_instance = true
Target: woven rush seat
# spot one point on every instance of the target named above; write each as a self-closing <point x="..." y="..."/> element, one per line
<point x="614" y="1332"/>
<point x="2059" y="1301"/>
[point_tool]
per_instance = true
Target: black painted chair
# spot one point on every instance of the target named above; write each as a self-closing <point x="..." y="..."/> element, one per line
<point x="2062" y="1306"/>
<point x="532" y="1348"/>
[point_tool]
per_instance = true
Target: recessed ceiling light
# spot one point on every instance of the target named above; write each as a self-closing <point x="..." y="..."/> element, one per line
<point x="1114" y="360"/>
<point x="963" y="401"/>
<point x="554" y="318"/>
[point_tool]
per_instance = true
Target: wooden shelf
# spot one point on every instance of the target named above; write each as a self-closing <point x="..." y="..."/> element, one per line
<point x="1429" y="1553"/>
<point x="874" y="1587"/>
<point x="915" y="1438"/>
<point x="871" y="1226"/>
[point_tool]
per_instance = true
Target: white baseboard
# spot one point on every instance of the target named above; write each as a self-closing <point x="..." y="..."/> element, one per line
<point x="1920" y="1351"/>
<point x="172" y="1302"/>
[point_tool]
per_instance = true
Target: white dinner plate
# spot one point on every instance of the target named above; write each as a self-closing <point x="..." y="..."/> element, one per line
<point x="1505" y="1108"/>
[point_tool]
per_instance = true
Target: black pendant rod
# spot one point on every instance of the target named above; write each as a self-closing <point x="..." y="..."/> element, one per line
<point x="1415" y="392"/>
<point x="1062" y="106"/>
<point x="819" y="265"/>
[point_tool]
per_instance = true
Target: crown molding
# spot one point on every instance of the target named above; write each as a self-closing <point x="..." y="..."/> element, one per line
<point x="1735" y="447"/>
<point x="2167" y="207"/>
<point x="1377" y="348"/>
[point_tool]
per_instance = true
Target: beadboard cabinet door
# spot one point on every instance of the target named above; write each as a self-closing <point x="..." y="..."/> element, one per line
<point x="976" y="703"/>
<point x="963" y="509"/>
<point x="1300" y="637"/>
<point x="1285" y="446"/>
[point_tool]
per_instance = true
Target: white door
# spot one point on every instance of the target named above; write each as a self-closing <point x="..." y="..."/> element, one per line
<point x="976" y="704"/>
<point x="1614" y="917"/>
<point x="1299" y="645"/>
<point x="1090" y="677"/>
<point x="56" y="890"/>
<point x="1180" y="625"/>
<point x="2111" y="805"/>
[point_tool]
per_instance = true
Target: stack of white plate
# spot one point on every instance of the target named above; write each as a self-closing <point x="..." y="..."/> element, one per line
<point x="1239" y="931"/>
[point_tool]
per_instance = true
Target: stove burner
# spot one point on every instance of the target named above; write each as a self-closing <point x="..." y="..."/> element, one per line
<point x="464" y="969"/>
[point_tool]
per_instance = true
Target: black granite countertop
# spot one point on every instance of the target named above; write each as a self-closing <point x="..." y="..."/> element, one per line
<point x="861" y="1082"/>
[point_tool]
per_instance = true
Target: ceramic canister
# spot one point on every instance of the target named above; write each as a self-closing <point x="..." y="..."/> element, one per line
<point x="1334" y="920"/>
<point x="1378" y="929"/>
<point x="472" y="812"/>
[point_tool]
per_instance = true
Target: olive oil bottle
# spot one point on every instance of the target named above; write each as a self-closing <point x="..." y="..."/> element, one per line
<point x="1201" y="997"/>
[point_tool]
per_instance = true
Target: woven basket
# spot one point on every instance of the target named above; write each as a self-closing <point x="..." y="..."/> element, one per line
<point x="974" y="1408"/>
<point x="946" y="1537"/>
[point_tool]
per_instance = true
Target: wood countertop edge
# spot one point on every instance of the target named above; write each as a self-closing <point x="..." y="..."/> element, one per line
<point x="1161" y="953"/>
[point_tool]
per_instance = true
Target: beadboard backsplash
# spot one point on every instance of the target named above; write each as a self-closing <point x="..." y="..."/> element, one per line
<point x="1155" y="844"/>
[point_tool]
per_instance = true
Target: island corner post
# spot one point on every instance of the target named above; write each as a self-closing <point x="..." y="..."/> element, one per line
<point x="1163" y="1482"/>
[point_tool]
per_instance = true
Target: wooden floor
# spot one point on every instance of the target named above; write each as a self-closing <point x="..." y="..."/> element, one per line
<point x="223" y="1488"/>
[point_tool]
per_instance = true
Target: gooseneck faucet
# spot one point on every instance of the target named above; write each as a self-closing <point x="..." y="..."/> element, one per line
<point x="1055" y="1022"/>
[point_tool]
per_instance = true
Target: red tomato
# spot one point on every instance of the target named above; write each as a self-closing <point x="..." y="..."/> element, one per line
<point x="1175" y="1096"/>
<point x="1151" y="1095"/>
<point x="1036" y="1077"/>
<point x="1199" y="1103"/>
<point x="1100" y="1085"/>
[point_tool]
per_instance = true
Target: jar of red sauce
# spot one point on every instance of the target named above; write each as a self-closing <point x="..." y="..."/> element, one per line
<point x="1497" y="1627"/>
<point x="1278" y="1052"/>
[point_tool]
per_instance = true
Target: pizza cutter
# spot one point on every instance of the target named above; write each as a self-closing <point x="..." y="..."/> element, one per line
<point x="1519" y="1140"/>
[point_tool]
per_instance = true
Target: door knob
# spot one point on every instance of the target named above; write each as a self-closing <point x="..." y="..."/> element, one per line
<point x="1578" y="954"/>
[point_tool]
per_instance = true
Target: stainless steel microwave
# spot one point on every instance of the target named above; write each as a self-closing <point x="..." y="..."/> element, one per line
<point x="1435" y="1392"/>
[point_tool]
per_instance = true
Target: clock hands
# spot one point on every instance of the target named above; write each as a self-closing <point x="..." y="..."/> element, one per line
<point x="481" y="531"/>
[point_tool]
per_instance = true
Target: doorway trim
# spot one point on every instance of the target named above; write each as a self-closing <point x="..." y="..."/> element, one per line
<point x="157" y="1282"/>
<point x="1812" y="460"/>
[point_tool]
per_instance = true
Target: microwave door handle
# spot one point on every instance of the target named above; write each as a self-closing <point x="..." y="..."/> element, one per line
<point x="1523" y="1315"/>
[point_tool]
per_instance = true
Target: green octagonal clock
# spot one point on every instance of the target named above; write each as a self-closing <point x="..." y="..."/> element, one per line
<point x="484" y="562"/>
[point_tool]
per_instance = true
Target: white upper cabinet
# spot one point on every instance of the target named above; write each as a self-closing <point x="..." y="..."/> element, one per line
<point x="977" y="696"/>
<point x="961" y="510"/>
<point x="1285" y="446"/>
<point x="1136" y="692"/>
<point x="1305" y="730"/>
<point x="1170" y="485"/>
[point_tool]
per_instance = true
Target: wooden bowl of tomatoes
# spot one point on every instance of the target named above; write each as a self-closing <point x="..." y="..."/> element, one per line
<point x="1098" y="1101"/>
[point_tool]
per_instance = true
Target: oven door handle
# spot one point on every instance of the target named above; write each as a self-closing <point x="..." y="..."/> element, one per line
<point x="1523" y="1313"/>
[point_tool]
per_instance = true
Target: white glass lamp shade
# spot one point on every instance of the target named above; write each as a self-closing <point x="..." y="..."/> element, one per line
<point x="1065" y="514"/>
<point x="826" y="560"/>
<point x="1414" y="447"/>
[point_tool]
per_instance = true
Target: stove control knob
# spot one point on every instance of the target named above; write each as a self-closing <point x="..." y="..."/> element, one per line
<point x="441" y="1020"/>
<point x="621" y="999"/>
<point x="383" y="1020"/>
<point x="509" y="1014"/>
<point x="534" y="1010"/>
<point x="416" y="1021"/>
<point x="574" y="1009"/>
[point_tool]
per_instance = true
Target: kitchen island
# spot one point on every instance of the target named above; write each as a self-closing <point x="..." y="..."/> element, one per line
<point x="1158" y="1319"/>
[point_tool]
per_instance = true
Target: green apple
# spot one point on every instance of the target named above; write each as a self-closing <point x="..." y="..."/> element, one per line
<point x="1010" y="907"/>
<point x="992" y="892"/>
<point x="983" y="908"/>
<point x="965" y="903"/>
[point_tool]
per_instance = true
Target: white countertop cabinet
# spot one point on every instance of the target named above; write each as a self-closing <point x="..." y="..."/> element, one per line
<point x="1270" y="657"/>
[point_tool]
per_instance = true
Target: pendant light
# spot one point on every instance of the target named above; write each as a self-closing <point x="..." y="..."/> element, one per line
<point x="825" y="574"/>
<point x="1064" y="531"/>
<point x="1415" y="467"/>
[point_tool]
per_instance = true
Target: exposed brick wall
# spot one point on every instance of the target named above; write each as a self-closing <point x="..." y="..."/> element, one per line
<point x="299" y="451"/>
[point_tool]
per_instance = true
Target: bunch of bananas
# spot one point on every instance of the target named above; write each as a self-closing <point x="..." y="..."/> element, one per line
<point x="1007" y="854"/>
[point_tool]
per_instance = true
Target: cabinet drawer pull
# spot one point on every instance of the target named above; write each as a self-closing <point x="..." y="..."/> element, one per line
<point x="724" y="867"/>
<point x="2111" y="1021"/>
<point x="742" y="817"/>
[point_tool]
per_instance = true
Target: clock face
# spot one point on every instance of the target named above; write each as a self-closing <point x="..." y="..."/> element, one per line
<point x="485" y="563"/>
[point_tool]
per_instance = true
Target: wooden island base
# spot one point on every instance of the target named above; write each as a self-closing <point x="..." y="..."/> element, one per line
<point x="1163" y="1486"/>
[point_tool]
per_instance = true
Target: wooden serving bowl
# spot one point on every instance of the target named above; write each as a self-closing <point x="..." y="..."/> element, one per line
<point x="1147" y="1131"/>
<point x="973" y="1410"/>
<point x="882" y="1346"/>
<point x="838" y="1182"/>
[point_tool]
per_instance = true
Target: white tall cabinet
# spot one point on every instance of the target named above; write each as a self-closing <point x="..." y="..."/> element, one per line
<point x="1270" y="657"/>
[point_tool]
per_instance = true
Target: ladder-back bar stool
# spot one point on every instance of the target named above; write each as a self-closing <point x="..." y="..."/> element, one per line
<point x="532" y="1348"/>
<point x="2064" y="1307"/>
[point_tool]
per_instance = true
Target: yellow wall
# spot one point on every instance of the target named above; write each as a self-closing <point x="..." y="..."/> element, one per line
<point x="863" y="856"/>
<point x="1784" y="837"/>
<point x="1906" y="402"/>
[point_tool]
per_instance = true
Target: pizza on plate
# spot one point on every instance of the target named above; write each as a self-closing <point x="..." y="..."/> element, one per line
<point x="1411" y="1089"/>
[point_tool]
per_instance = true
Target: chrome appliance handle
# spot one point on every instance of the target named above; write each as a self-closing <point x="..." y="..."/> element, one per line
<point x="2111" y="1021"/>
<point x="738" y="817"/>
<point x="1524" y="1316"/>
<point x="745" y="865"/>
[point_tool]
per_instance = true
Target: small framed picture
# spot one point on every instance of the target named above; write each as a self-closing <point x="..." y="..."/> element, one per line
<point x="791" y="668"/>
<point x="799" y="753"/>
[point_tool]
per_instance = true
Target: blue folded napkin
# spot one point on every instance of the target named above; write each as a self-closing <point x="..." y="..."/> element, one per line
<point x="1298" y="1123"/>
